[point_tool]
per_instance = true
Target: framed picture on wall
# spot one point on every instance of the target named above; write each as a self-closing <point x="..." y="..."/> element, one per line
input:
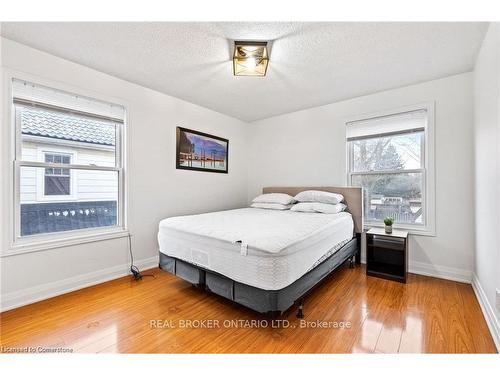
<point x="199" y="151"/>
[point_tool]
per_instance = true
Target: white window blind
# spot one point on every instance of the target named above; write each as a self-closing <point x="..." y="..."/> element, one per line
<point x="34" y="94"/>
<point x="390" y="124"/>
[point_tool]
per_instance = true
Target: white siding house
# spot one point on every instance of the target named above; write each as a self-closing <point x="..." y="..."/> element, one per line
<point x="84" y="185"/>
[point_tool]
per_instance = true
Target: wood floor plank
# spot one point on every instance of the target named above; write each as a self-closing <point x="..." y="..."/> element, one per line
<point x="426" y="315"/>
<point x="479" y="332"/>
<point x="367" y="337"/>
<point x="413" y="333"/>
<point x="391" y="332"/>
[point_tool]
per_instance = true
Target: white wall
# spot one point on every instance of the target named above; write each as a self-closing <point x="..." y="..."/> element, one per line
<point x="319" y="136"/>
<point x="156" y="189"/>
<point x="487" y="168"/>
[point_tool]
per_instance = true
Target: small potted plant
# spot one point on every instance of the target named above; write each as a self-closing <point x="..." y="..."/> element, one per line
<point x="388" y="221"/>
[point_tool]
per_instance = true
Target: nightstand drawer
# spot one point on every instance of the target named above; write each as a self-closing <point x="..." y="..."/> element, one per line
<point x="386" y="242"/>
<point x="386" y="261"/>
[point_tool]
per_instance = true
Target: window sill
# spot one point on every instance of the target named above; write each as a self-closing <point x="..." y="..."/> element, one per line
<point x="42" y="243"/>
<point x="411" y="230"/>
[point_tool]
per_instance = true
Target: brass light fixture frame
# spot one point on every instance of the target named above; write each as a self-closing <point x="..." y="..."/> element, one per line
<point x="247" y="53"/>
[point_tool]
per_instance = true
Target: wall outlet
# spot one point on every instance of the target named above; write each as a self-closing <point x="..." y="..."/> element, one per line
<point x="498" y="300"/>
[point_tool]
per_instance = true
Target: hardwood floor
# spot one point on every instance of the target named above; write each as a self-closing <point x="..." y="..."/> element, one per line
<point x="426" y="315"/>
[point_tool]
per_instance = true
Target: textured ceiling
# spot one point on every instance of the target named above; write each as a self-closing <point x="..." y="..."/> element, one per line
<point x="310" y="63"/>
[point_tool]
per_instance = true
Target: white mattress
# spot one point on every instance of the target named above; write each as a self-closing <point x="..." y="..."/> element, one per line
<point x="267" y="249"/>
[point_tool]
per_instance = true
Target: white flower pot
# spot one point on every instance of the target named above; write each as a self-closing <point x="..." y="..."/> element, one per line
<point x="388" y="229"/>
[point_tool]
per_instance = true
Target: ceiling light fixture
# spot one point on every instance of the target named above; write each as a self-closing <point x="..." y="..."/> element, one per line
<point x="250" y="58"/>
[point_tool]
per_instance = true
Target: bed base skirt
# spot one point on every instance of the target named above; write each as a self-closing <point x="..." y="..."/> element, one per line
<point x="271" y="302"/>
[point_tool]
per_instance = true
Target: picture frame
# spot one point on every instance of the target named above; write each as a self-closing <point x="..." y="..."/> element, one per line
<point x="203" y="152"/>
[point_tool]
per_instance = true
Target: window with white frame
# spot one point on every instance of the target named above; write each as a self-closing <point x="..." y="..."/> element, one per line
<point x="388" y="155"/>
<point x="57" y="181"/>
<point x="55" y="192"/>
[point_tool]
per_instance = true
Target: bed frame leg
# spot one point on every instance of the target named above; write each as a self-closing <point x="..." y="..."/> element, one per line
<point x="351" y="261"/>
<point x="300" y="311"/>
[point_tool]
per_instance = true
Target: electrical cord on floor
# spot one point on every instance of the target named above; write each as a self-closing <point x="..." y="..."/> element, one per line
<point x="135" y="271"/>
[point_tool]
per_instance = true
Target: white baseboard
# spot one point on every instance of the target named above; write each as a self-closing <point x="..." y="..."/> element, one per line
<point x="441" y="272"/>
<point x="37" y="293"/>
<point x="488" y="312"/>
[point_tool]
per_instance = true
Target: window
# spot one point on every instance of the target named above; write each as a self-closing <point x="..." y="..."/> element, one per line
<point x="68" y="178"/>
<point x="57" y="180"/>
<point x="388" y="156"/>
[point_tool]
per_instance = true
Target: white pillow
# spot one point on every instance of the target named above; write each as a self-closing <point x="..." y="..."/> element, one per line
<point x="280" y="198"/>
<point x="323" y="208"/>
<point x="272" y="206"/>
<point x="319" y="196"/>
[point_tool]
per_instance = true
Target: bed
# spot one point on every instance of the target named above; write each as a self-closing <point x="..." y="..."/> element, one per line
<point x="266" y="260"/>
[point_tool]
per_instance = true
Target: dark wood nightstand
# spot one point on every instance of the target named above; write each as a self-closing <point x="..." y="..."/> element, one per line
<point x="387" y="254"/>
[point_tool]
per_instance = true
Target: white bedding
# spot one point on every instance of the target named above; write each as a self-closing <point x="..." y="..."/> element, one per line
<point x="268" y="249"/>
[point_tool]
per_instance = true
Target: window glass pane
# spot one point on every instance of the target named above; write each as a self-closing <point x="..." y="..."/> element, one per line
<point x="57" y="180"/>
<point x="388" y="153"/>
<point x="57" y="185"/>
<point x="63" y="137"/>
<point x="398" y="195"/>
<point x="92" y="202"/>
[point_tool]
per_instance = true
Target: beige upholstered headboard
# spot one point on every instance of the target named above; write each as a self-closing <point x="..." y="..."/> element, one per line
<point x="353" y="197"/>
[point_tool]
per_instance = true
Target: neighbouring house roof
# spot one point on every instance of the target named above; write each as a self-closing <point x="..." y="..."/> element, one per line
<point x="60" y="125"/>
